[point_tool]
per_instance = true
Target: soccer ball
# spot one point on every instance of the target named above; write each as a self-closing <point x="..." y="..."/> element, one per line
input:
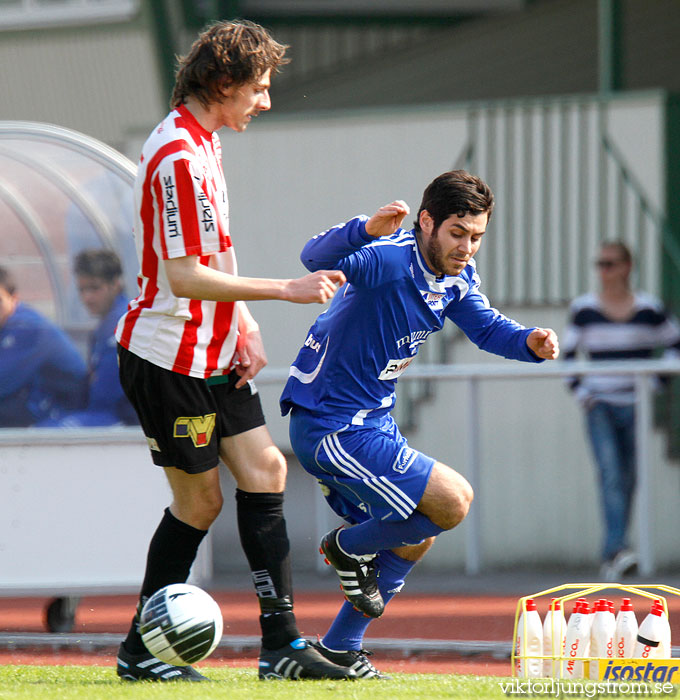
<point x="180" y="624"/>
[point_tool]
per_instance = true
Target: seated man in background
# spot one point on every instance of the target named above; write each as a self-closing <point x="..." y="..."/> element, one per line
<point x="42" y="375"/>
<point x="99" y="280"/>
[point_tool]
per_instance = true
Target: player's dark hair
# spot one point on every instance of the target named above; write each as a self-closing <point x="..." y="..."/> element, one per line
<point x="455" y="192"/>
<point x="7" y="281"/>
<point x="225" y="54"/>
<point x="623" y="250"/>
<point x="99" y="263"/>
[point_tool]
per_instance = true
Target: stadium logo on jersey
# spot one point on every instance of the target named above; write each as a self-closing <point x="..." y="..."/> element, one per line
<point x="404" y="459"/>
<point x="198" y="428"/>
<point x="207" y="218"/>
<point x="171" y="212"/>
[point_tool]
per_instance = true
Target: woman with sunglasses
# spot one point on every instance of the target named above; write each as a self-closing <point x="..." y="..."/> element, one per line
<point x="617" y="323"/>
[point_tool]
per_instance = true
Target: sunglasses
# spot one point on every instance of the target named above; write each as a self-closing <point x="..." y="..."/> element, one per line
<point x="606" y="264"/>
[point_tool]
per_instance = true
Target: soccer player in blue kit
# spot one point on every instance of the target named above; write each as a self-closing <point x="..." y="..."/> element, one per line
<point x="401" y="287"/>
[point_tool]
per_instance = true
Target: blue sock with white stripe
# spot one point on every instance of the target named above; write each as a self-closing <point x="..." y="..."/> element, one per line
<point x="373" y="535"/>
<point x="349" y="626"/>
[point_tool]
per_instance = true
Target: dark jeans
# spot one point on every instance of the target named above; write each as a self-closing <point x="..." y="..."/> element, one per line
<point x="612" y="437"/>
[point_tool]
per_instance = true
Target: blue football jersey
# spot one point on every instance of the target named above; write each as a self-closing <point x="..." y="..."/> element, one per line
<point x="348" y="366"/>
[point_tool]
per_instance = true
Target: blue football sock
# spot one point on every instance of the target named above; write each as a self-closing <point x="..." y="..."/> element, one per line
<point x="373" y="535"/>
<point x="349" y="626"/>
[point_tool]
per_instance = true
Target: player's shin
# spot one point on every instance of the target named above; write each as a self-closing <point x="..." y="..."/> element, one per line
<point x="262" y="529"/>
<point x="172" y="551"/>
<point x="348" y="629"/>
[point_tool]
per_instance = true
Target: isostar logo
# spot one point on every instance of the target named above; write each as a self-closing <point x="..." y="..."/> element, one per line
<point x="198" y="428"/>
<point x="647" y="671"/>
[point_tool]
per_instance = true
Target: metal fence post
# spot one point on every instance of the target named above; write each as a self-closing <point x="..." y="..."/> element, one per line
<point x="473" y="531"/>
<point x="643" y="428"/>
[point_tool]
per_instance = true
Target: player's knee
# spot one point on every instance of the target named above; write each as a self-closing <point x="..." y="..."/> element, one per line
<point x="213" y="505"/>
<point x="200" y="509"/>
<point x="459" y="503"/>
<point x="269" y="474"/>
<point x="277" y="469"/>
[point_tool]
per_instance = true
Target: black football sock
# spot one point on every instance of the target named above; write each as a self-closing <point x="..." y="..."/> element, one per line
<point x="264" y="539"/>
<point x="172" y="551"/>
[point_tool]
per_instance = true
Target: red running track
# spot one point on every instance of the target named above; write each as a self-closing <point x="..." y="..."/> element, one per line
<point x="408" y="616"/>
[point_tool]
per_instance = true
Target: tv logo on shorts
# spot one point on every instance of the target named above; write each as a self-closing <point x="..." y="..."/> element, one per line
<point x="198" y="428"/>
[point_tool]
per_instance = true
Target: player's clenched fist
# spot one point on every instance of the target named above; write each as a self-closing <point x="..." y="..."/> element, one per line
<point x="543" y="343"/>
<point x="387" y="219"/>
<point x="316" y="288"/>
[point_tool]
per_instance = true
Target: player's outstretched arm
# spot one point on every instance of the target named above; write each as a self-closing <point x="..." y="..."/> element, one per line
<point x="387" y="219"/>
<point x="189" y="279"/>
<point x="543" y="343"/>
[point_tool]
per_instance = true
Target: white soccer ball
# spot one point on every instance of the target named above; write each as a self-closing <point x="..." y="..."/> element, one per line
<point x="181" y="624"/>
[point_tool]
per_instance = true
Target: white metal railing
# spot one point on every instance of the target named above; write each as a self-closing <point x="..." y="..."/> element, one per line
<point x="644" y="372"/>
<point x="471" y="375"/>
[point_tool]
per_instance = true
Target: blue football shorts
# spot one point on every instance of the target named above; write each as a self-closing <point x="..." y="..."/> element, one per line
<point x="364" y="471"/>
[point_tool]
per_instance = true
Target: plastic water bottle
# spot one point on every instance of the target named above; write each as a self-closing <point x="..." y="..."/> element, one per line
<point x="601" y="636"/>
<point x="651" y="635"/>
<point x="577" y="643"/>
<point x="529" y="642"/>
<point x="554" y="637"/>
<point x="626" y="631"/>
<point x="665" y="650"/>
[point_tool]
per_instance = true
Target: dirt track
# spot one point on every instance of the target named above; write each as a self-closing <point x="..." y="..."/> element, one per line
<point x="423" y="616"/>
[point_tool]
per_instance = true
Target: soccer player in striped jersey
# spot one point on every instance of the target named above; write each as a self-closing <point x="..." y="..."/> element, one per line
<point x="401" y="287"/>
<point x="617" y="323"/>
<point x="189" y="348"/>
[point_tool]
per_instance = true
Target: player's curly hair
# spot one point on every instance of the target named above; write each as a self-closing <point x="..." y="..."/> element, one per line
<point x="455" y="192"/>
<point x="225" y="54"/>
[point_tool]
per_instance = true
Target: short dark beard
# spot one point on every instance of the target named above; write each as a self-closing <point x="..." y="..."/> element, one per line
<point x="432" y="249"/>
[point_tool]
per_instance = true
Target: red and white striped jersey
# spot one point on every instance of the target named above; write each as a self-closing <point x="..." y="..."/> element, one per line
<point x="181" y="209"/>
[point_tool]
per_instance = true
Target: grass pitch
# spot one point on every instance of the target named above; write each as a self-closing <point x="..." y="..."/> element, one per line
<point x="101" y="683"/>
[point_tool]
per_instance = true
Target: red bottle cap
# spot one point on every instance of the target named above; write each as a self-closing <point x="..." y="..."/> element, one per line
<point x="626" y="604"/>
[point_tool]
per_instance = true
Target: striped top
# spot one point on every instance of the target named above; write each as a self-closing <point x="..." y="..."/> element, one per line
<point x="181" y="209"/>
<point x="598" y="337"/>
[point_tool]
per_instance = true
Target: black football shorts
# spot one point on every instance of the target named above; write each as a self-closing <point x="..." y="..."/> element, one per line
<point x="183" y="417"/>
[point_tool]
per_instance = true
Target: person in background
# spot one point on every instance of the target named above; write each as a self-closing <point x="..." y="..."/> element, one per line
<point x="617" y="323"/>
<point x="99" y="280"/>
<point x="42" y="374"/>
